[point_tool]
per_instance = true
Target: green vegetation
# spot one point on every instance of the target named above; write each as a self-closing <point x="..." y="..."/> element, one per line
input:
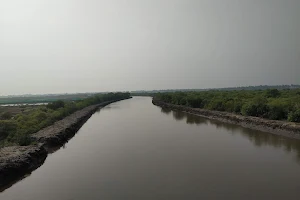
<point x="143" y="94"/>
<point x="259" y="87"/>
<point x="271" y="103"/>
<point x="16" y="130"/>
<point x="6" y="115"/>
<point x="32" y="99"/>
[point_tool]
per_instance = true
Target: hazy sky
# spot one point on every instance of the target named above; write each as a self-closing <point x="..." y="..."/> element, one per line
<point x="56" y="46"/>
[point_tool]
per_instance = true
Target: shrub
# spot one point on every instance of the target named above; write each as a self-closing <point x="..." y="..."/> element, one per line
<point x="216" y="104"/>
<point x="40" y="115"/>
<point x="6" y="115"/>
<point x="56" y="105"/>
<point x="237" y="107"/>
<point x="294" y="116"/>
<point x="273" y="93"/>
<point x="183" y="101"/>
<point x="7" y="127"/>
<point x="249" y="109"/>
<point x="256" y="108"/>
<point x="195" y="102"/>
<point x="165" y="97"/>
<point x="229" y="106"/>
<point x="277" y="112"/>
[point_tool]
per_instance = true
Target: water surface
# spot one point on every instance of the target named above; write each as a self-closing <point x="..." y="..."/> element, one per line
<point x="135" y="150"/>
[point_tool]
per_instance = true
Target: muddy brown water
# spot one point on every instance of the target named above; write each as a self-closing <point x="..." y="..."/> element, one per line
<point x="135" y="150"/>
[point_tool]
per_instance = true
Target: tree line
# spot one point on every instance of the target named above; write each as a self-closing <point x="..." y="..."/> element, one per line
<point x="17" y="130"/>
<point x="270" y="104"/>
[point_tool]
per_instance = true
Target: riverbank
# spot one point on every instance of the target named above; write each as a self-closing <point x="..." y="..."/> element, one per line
<point x="287" y="129"/>
<point x="16" y="161"/>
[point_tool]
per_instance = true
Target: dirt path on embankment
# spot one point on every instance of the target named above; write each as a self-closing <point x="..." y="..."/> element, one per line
<point x="287" y="129"/>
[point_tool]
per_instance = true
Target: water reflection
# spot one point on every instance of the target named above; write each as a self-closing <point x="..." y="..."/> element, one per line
<point x="193" y="119"/>
<point x="166" y="110"/>
<point x="179" y="115"/>
<point x="190" y="119"/>
<point x="258" y="138"/>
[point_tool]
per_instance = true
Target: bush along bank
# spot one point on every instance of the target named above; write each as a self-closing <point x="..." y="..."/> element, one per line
<point x="269" y="104"/>
<point x="16" y="161"/>
<point x="18" y="130"/>
<point x="251" y="109"/>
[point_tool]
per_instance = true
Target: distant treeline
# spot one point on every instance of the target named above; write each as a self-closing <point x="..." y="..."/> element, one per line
<point x="271" y="103"/>
<point x="143" y="94"/>
<point x="31" y="99"/>
<point x="17" y="130"/>
<point x="260" y="87"/>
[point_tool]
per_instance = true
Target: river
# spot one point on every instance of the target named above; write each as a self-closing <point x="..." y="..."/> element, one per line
<point x="135" y="150"/>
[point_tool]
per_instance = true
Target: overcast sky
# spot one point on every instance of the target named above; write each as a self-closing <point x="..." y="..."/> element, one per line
<point x="57" y="46"/>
